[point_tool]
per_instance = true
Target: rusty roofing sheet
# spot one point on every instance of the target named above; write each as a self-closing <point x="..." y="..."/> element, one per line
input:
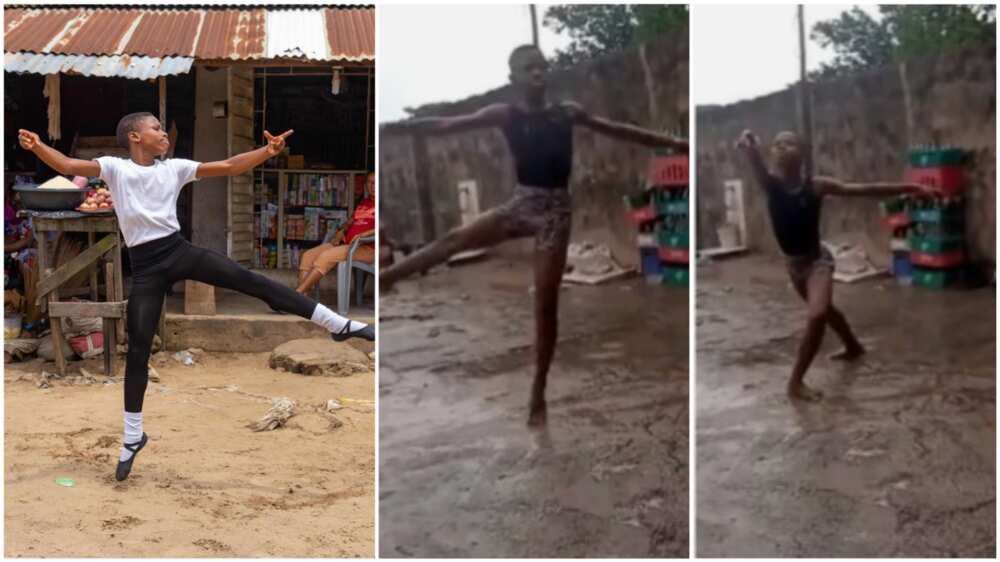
<point x="207" y="34"/>
<point x="350" y="33"/>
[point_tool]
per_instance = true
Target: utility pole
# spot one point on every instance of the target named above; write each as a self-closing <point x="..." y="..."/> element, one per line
<point x="534" y="25"/>
<point x="805" y="96"/>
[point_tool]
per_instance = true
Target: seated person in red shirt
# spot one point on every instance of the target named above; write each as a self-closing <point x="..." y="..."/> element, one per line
<point x="318" y="261"/>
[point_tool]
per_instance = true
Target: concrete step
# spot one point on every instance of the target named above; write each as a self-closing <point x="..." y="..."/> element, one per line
<point x="242" y="325"/>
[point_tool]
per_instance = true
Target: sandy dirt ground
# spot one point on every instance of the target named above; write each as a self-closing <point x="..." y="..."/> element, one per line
<point x="206" y="485"/>
<point x="898" y="459"/>
<point x="461" y="475"/>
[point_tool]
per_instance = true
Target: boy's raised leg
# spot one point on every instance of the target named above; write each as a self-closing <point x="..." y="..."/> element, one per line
<point x="486" y="230"/>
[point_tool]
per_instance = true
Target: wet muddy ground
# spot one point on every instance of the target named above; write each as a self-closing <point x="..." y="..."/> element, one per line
<point x="461" y="475"/>
<point x="898" y="459"/>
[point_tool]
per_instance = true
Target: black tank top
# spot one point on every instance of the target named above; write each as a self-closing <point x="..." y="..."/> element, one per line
<point x="795" y="217"/>
<point x="542" y="145"/>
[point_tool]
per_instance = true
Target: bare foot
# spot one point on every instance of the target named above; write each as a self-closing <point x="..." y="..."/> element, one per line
<point x="538" y="415"/>
<point x="800" y="391"/>
<point x="848" y="354"/>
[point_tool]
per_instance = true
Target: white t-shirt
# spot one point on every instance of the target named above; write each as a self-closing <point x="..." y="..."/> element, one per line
<point x="145" y="197"/>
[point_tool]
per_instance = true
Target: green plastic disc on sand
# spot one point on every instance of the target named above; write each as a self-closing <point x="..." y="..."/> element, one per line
<point x="68" y="482"/>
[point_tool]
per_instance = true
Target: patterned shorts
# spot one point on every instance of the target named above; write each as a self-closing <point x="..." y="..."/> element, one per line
<point x="543" y="213"/>
<point x="800" y="268"/>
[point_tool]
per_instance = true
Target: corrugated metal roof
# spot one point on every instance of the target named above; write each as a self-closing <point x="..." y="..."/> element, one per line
<point x="315" y="34"/>
<point x="351" y="33"/>
<point x="126" y="66"/>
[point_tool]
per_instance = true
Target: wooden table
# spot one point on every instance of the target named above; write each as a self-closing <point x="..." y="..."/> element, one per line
<point x="112" y="310"/>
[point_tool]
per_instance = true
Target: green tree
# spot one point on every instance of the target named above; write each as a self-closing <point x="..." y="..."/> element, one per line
<point x="900" y="32"/>
<point x="598" y="29"/>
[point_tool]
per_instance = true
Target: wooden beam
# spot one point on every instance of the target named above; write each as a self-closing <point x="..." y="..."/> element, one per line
<point x="163" y="101"/>
<point x="74" y="266"/>
<point x="87" y="309"/>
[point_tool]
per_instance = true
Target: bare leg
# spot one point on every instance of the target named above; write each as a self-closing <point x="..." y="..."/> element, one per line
<point x="549" y="266"/>
<point x="487" y="230"/>
<point x="836" y="320"/>
<point x="819" y="293"/>
<point x="852" y="347"/>
<point x="307" y="282"/>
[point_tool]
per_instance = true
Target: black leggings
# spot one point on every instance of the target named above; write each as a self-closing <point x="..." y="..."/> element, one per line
<point x="159" y="264"/>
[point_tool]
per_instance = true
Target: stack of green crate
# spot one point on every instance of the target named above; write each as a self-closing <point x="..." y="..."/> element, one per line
<point x="937" y="225"/>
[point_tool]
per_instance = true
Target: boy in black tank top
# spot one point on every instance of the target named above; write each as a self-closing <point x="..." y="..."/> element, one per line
<point x="540" y="137"/>
<point x="794" y="203"/>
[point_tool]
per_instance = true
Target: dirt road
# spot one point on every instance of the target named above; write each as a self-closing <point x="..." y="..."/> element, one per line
<point x="205" y="486"/>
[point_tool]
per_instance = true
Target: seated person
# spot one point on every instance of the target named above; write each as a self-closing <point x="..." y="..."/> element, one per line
<point x="318" y="261"/>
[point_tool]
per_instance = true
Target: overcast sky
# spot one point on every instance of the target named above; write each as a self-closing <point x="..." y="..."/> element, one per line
<point x="438" y="53"/>
<point x="447" y="53"/>
<point x="741" y="52"/>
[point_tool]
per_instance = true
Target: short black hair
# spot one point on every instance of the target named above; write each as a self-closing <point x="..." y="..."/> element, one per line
<point x="128" y="124"/>
<point x="520" y="49"/>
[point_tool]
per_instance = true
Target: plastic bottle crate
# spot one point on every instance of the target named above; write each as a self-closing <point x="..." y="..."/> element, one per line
<point x="902" y="267"/>
<point x="676" y="276"/>
<point x="649" y="259"/>
<point x="672" y="206"/>
<point x="935" y="278"/>
<point x="938" y="216"/>
<point x="948" y="179"/>
<point x="674" y="255"/>
<point x="668" y="170"/>
<point x="935" y="244"/>
<point x="936" y="157"/>
<point x="672" y="239"/>
<point x="942" y="260"/>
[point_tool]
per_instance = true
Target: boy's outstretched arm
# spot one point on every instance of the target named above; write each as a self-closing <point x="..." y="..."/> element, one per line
<point x="242" y="163"/>
<point x="55" y="159"/>
<point x="832" y="186"/>
<point x="750" y="145"/>
<point x="624" y="131"/>
<point x="494" y="115"/>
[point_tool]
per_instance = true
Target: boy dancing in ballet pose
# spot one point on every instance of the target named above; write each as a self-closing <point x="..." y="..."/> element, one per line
<point x="540" y="137"/>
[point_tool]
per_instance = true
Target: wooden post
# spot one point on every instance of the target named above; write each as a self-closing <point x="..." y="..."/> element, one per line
<point x="163" y="101"/>
<point x="94" y="296"/>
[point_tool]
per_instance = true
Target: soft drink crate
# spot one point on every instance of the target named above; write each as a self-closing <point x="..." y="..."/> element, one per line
<point x="672" y="206"/>
<point x="936" y="278"/>
<point x="902" y="267"/>
<point x="640" y="208"/>
<point x="936" y="157"/>
<point x="674" y="255"/>
<point x="649" y="260"/>
<point x="948" y="179"/>
<point x="952" y="229"/>
<point x="646" y="240"/>
<point x="935" y="244"/>
<point x="938" y="215"/>
<point x="676" y="276"/>
<point x="668" y="170"/>
<point x="897" y="220"/>
<point x="942" y="260"/>
<point x="672" y="239"/>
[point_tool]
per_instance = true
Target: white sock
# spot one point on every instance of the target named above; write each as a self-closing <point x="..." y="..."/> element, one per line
<point x="332" y="321"/>
<point x="133" y="433"/>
